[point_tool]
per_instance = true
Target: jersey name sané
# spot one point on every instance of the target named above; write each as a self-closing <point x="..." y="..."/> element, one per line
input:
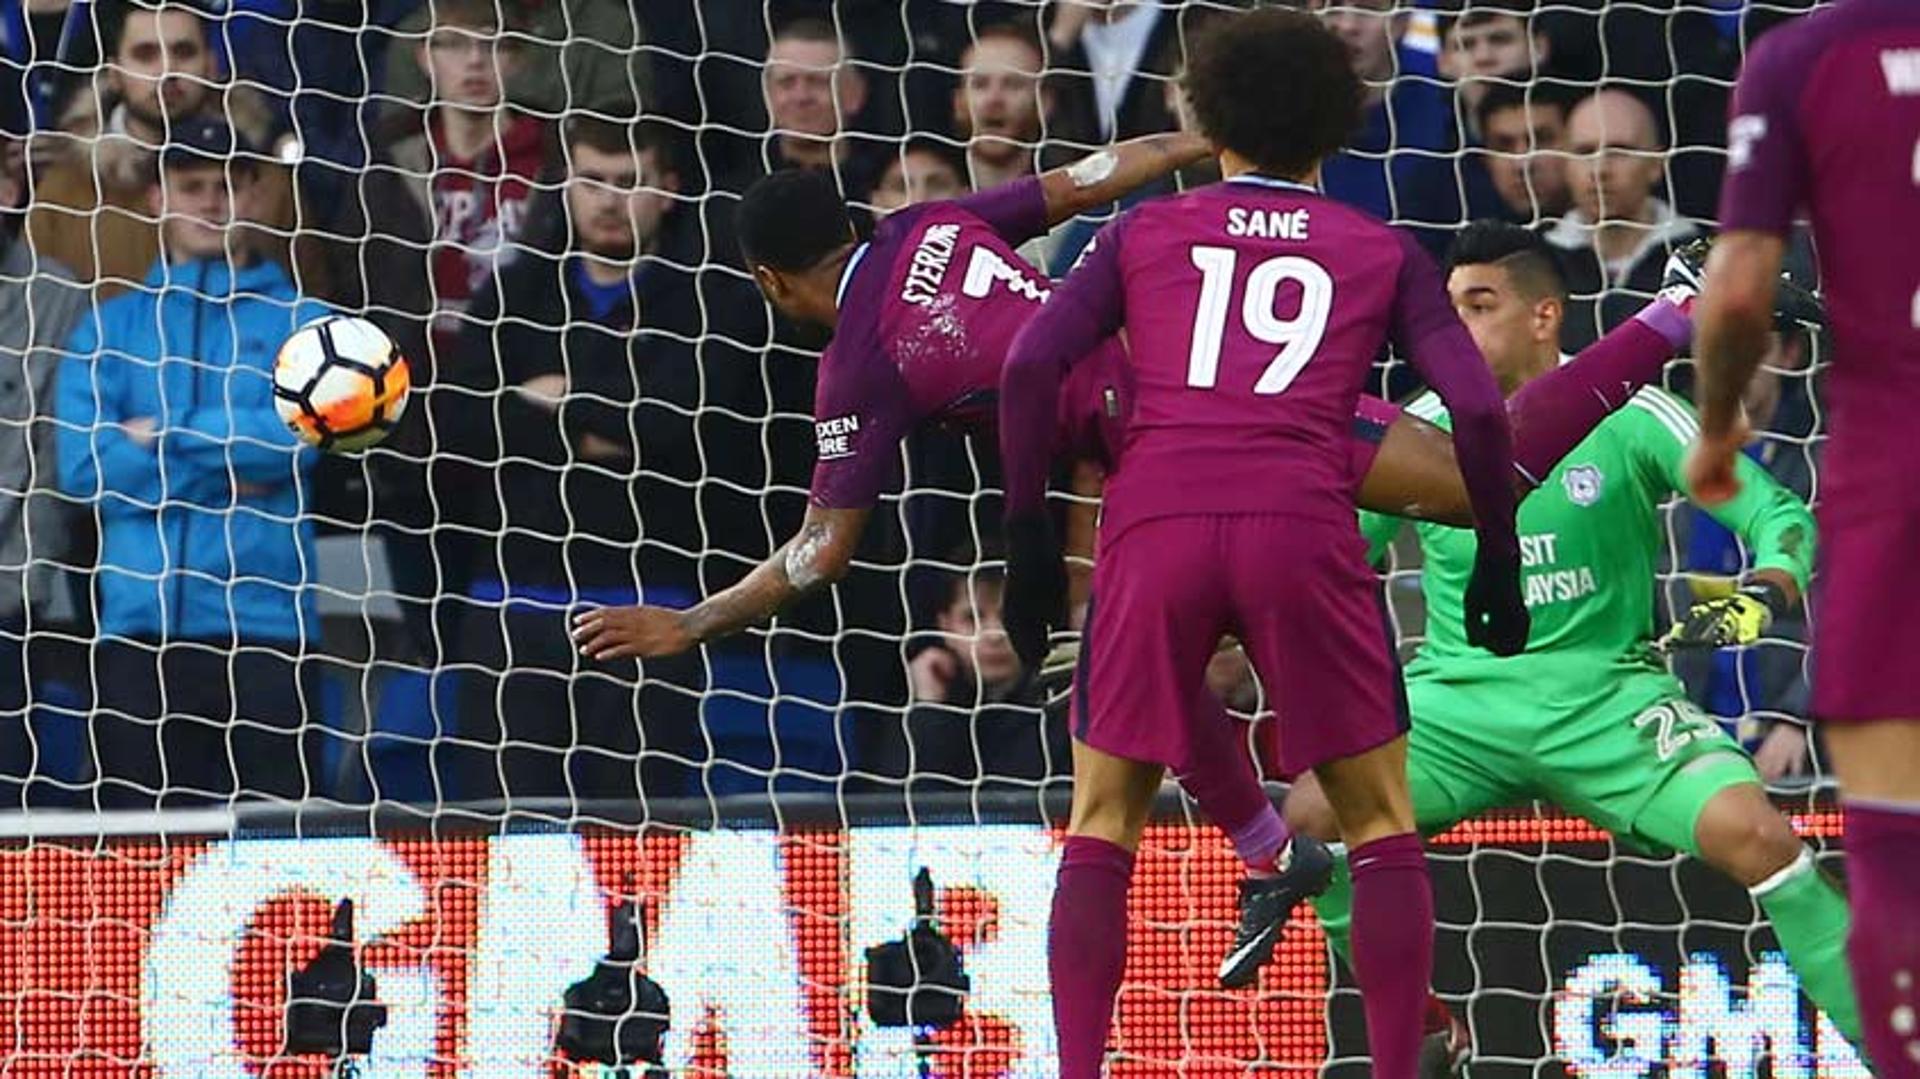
<point x="1269" y="224"/>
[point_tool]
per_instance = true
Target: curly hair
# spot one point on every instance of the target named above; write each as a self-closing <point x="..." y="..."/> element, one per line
<point x="1274" y="86"/>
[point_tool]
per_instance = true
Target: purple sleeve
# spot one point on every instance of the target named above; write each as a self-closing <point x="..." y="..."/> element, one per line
<point x="1085" y="310"/>
<point x="1430" y="334"/>
<point x="1017" y="210"/>
<point x="859" y="421"/>
<point x="1766" y="166"/>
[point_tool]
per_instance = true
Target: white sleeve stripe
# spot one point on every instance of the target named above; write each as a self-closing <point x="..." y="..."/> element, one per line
<point x="1674" y="418"/>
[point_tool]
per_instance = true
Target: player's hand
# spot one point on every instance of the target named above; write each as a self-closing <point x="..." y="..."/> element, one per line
<point x="1036" y="590"/>
<point x="1711" y="476"/>
<point x="1719" y="623"/>
<point x="1497" y="616"/>
<point x="1730" y="618"/>
<point x="1054" y="680"/>
<point x="931" y="672"/>
<point x="1782" y="753"/>
<point x="643" y="632"/>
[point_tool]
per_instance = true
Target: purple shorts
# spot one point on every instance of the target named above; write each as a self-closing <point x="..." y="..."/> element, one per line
<point x="1097" y="401"/>
<point x="1298" y="594"/>
<point x="1866" y="644"/>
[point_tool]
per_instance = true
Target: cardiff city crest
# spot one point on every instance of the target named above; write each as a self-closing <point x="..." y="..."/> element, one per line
<point x="1583" y="484"/>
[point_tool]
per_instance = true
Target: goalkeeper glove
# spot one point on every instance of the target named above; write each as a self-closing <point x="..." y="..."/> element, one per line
<point x="1054" y="680"/>
<point x="1036" y="590"/>
<point x="1738" y="618"/>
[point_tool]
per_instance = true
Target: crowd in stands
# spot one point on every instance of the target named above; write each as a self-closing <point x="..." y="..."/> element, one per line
<point x="533" y="200"/>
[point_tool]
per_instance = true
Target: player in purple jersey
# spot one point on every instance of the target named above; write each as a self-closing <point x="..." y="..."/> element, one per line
<point x="1253" y="310"/>
<point x="1826" y="117"/>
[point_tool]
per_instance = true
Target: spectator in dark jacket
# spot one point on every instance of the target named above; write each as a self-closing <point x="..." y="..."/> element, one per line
<point x="964" y="728"/>
<point x="39" y="304"/>
<point x="595" y="391"/>
<point x="1615" y="241"/>
<point x="167" y="429"/>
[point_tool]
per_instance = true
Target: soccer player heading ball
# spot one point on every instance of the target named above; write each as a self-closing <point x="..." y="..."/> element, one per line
<point x="1253" y="309"/>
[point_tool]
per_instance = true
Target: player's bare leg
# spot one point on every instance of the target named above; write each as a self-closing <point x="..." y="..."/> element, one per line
<point x="1087" y="933"/>
<point x="1876" y="762"/>
<point x="1392" y="900"/>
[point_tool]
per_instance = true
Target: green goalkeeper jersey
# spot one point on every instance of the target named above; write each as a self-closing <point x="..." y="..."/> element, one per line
<point x="1590" y="540"/>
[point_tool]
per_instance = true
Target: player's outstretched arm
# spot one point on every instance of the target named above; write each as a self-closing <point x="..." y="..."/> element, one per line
<point x="818" y="555"/>
<point x="1427" y="329"/>
<point x="1735" y="317"/>
<point x="1117" y="171"/>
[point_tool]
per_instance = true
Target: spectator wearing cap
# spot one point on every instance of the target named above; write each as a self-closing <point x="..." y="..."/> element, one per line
<point x="39" y="304"/>
<point x="1615" y="241"/>
<point x="90" y="189"/>
<point x="167" y="430"/>
<point x="1524" y="131"/>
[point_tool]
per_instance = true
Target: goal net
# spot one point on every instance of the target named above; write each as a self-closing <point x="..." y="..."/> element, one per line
<point x="301" y="768"/>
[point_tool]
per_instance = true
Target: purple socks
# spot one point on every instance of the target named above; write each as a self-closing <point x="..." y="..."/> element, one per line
<point x="1087" y="949"/>
<point x="1393" y="948"/>
<point x="1229" y="792"/>
<point x="1883" y="885"/>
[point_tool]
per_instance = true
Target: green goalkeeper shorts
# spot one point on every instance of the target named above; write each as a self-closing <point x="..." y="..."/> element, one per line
<point x="1632" y="756"/>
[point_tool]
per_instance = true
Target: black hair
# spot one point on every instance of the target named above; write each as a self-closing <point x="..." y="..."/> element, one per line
<point x="110" y="20"/>
<point x="791" y="220"/>
<point x="1475" y="12"/>
<point x="621" y="135"/>
<point x="1274" y="86"/>
<point x="1507" y="95"/>
<point x="1522" y="252"/>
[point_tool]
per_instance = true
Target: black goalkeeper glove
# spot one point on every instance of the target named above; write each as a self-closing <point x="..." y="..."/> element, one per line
<point x="1497" y="616"/>
<point x="1036" y="591"/>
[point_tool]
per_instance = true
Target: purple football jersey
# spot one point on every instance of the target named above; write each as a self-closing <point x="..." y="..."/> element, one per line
<point x="928" y="308"/>
<point x="1826" y="116"/>
<point x="1254" y="309"/>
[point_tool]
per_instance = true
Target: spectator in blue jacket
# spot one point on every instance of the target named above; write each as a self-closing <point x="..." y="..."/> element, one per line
<point x="167" y="428"/>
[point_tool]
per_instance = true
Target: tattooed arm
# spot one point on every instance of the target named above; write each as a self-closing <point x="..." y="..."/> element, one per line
<point x="818" y="554"/>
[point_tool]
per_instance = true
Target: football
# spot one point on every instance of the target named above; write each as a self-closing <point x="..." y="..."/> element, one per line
<point x="340" y="384"/>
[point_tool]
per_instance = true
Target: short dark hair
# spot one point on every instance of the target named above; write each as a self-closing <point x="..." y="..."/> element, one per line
<point x="1506" y="95"/>
<point x="610" y="136"/>
<point x="791" y="220"/>
<point x="1522" y="252"/>
<point x="1274" y="86"/>
<point x="110" y="20"/>
<point x="1474" y="12"/>
<point x="503" y="16"/>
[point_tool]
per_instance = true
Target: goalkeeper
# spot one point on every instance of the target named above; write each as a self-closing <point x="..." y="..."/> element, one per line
<point x="1589" y="717"/>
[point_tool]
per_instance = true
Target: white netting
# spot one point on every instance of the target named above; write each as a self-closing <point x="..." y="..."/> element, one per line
<point x="381" y="640"/>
